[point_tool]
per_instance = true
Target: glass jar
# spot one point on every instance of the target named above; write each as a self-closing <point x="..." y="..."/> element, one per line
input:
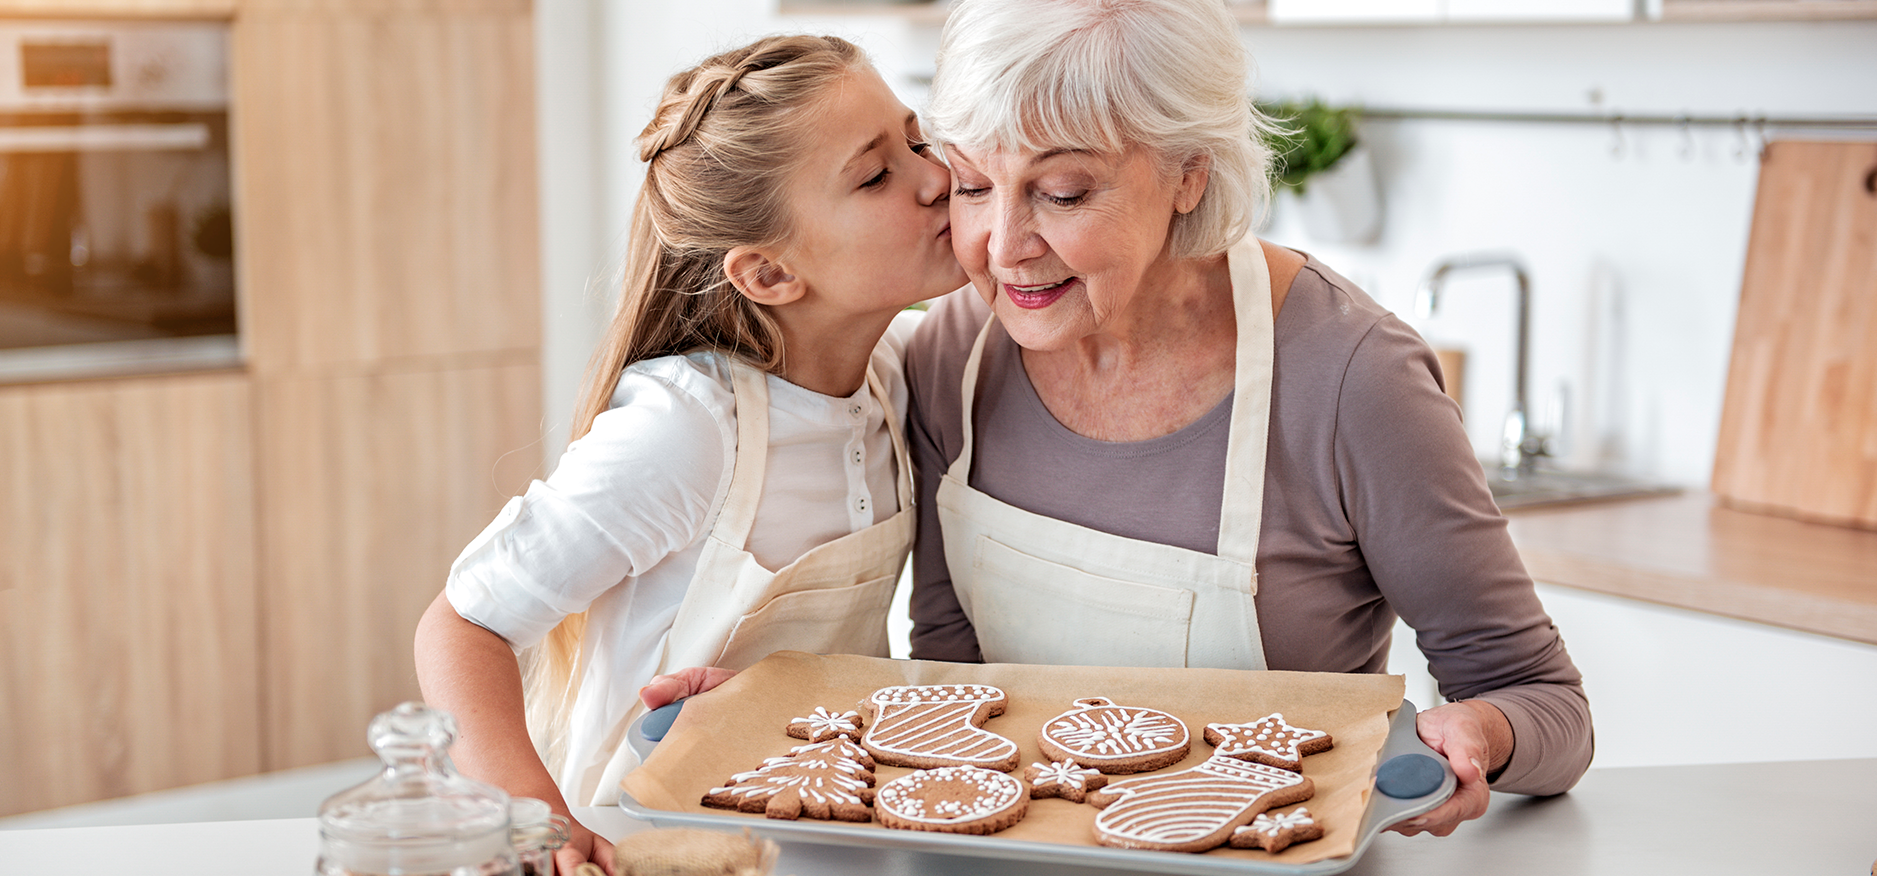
<point x="419" y="816"/>
<point x="537" y="832"/>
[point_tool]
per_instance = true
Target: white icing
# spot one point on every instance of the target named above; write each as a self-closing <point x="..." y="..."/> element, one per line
<point x="1269" y="735"/>
<point x="934" y="721"/>
<point x="823" y="723"/>
<point x="1063" y="772"/>
<point x="927" y="796"/>
<point x="1192" y="804"/>
<point x="1269" y="825"/>
<point x="1100" y="730"/>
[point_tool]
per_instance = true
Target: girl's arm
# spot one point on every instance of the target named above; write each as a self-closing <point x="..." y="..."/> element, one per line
<point x="471" y="673"/>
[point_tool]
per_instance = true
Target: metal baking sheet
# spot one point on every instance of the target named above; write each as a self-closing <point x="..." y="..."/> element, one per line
<point x="1382" y="811"/>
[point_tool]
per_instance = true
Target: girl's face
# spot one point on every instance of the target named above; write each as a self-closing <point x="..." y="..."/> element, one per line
<point x="872" y="224"/>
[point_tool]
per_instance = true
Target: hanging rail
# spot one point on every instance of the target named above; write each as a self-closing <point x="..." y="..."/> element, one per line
<point x="1682" y="120"/>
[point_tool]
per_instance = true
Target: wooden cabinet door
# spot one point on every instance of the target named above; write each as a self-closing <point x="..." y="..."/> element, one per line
<point x="128" y="642"/>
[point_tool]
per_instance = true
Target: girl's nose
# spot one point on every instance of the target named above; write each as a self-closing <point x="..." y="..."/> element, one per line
<point x="935" y="185"/>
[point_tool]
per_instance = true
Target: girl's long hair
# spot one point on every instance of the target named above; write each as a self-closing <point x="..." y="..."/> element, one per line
<point x="718" y="151"/>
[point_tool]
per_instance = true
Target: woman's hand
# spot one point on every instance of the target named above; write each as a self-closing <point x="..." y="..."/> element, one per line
<point x="583" y="846"/>
<point x="1476" y="739"/>
<point x="663" y="690"/>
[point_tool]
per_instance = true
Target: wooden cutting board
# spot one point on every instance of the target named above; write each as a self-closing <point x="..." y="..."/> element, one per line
<point x="1798" y="432"/>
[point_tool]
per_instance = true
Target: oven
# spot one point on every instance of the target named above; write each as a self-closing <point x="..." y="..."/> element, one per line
<point x="116" y="214"/>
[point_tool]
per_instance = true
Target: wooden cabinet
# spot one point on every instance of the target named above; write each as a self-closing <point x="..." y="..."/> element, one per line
<point x="213" y="575"/>
<point x="129" y="647"/>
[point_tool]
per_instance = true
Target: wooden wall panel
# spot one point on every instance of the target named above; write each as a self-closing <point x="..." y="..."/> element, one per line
<point x="128" y="640"/>
<point x="387" y="178"/>
<point x="374" y="482"/>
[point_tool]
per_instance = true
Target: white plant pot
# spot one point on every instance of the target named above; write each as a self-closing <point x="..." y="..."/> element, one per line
<point x="1343" y="204"/>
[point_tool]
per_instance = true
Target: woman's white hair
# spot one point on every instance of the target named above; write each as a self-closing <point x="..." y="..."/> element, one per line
<point x="1106" y="75"/>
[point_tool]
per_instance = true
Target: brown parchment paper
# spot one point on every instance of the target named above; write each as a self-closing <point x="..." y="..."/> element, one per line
<point x="733" y="728"/>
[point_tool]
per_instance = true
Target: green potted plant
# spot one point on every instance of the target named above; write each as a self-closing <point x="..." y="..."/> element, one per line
<point x="1318" y="156"/>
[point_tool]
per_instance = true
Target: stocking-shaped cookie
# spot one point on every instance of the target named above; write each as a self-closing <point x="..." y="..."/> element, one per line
<point x="828" y="780"/>
<point x="1195" y="809"/>
<point x="937" y="725"/>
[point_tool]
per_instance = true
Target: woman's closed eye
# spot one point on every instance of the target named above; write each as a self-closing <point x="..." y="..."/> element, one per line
<point x="1065" y="200"/>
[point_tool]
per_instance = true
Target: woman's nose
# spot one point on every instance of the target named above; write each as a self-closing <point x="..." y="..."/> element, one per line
<point x="1013" y="238"/>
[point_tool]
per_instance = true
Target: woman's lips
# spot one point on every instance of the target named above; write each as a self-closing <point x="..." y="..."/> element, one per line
<point x="1037" y="297"/>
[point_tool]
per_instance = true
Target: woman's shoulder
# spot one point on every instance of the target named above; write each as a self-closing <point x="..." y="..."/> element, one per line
<point x="1326" y="316"/>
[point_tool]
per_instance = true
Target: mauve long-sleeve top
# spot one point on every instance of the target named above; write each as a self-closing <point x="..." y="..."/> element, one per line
<point x="1374" y="507"/>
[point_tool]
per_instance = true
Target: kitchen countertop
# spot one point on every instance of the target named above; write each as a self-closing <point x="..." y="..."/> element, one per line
<point x="1689" y="551"/>
<point x="1717" y="820"/>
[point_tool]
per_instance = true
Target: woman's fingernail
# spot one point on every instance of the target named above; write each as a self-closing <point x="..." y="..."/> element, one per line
<point x="1416" y="824"/>
<point x="1477" y="768"/>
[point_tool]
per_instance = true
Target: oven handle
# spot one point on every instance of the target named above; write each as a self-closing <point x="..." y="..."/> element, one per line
<point x="104" y="138"/>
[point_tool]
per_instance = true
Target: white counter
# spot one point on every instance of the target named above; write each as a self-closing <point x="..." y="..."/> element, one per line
<point x="1716" y="820"/>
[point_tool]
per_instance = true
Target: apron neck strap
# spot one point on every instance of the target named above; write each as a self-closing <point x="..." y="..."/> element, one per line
<point x="1243" y="509"/>
<point x="961" y="467"/>
<point x="751" y="388"/>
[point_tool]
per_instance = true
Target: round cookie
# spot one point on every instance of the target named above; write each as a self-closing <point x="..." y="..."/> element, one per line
<point x="1115" y="739"/>
<point x="956" y="799"/>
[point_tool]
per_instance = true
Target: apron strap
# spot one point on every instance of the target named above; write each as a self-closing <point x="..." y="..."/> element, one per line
<point x="961" y="467"/>
<point x="1243" y="509"/>
<point x="752" y="433"/>
<point x="901" y="455"/>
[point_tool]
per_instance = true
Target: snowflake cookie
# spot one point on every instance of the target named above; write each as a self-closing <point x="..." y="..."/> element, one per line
<point x="1063" y="779"/>
<point x="1275" y="833"/>
<point x="823" y="725"/>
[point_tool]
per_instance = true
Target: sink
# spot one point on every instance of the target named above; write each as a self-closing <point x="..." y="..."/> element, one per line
<point x="1549" y="487"/>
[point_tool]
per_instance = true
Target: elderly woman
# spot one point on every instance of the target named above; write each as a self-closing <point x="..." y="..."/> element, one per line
<point x="1150" y="440"/>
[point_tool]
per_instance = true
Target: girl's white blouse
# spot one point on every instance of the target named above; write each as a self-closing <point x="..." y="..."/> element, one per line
<point x="616" y="530"/>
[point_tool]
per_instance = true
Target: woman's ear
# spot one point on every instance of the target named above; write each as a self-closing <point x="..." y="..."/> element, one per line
<point x="760" y="277"/>
<point x="1194" y="176"/>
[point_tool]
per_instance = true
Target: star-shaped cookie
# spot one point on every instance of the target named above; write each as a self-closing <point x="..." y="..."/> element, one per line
<point x="1063" y="779"/>
<point x="1270" y="740"/>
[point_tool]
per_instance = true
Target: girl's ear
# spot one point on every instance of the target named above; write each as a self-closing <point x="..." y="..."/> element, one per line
<point x="760" y="277"/>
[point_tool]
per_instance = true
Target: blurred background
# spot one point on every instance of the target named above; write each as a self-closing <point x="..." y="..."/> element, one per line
<point x="294" y="295"/>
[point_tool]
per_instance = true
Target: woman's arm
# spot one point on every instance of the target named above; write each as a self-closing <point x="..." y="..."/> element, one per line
<point x="471" y="673"/>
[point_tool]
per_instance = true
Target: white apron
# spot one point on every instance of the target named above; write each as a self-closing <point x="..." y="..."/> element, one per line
<point x="832" y="599"/>
<point x="1040" y="590"/>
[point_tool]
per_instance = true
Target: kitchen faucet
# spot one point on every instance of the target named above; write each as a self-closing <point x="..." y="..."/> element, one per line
<point x="1519" y="447"/>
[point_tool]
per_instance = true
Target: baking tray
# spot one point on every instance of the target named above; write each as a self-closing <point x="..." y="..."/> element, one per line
<point x="1405" y="766"/>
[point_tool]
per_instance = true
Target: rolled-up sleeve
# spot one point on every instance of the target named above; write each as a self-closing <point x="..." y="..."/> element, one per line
<point x="641" y="485"/>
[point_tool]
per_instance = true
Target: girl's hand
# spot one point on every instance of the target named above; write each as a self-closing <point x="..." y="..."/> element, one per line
<point x="1476" y="738"/>
<point x="583" y="846"/>
<point x="663" y="690"/>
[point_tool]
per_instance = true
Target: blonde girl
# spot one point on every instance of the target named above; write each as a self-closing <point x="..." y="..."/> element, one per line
<point x="739" y="483"/>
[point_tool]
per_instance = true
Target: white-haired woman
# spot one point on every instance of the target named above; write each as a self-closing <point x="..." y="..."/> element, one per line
<point x="1175" y="445"/>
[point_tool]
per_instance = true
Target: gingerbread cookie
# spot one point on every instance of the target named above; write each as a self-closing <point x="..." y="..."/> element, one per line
<point x="937" y="725"/>
<point x="1063" y="779"/>
<point x="822" y="725"/>
<point x="1115" y="739"/>
<point x="1195" y="809"/>
<point x="955" y="799"/>
<point x="1270" y="740"/>
<point x="824" y="780"/>
<point x="1275" y="833"/>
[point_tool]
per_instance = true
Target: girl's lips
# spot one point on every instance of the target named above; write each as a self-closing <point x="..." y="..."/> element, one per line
<point x="1032" y="298"/>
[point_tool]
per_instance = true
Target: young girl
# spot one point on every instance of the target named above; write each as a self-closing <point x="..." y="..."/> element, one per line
<point x="741" y="484"/>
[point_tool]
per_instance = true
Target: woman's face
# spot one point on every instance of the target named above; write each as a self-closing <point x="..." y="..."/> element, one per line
<point x="871" y="227"/>
<point x="1064" y="244"/>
